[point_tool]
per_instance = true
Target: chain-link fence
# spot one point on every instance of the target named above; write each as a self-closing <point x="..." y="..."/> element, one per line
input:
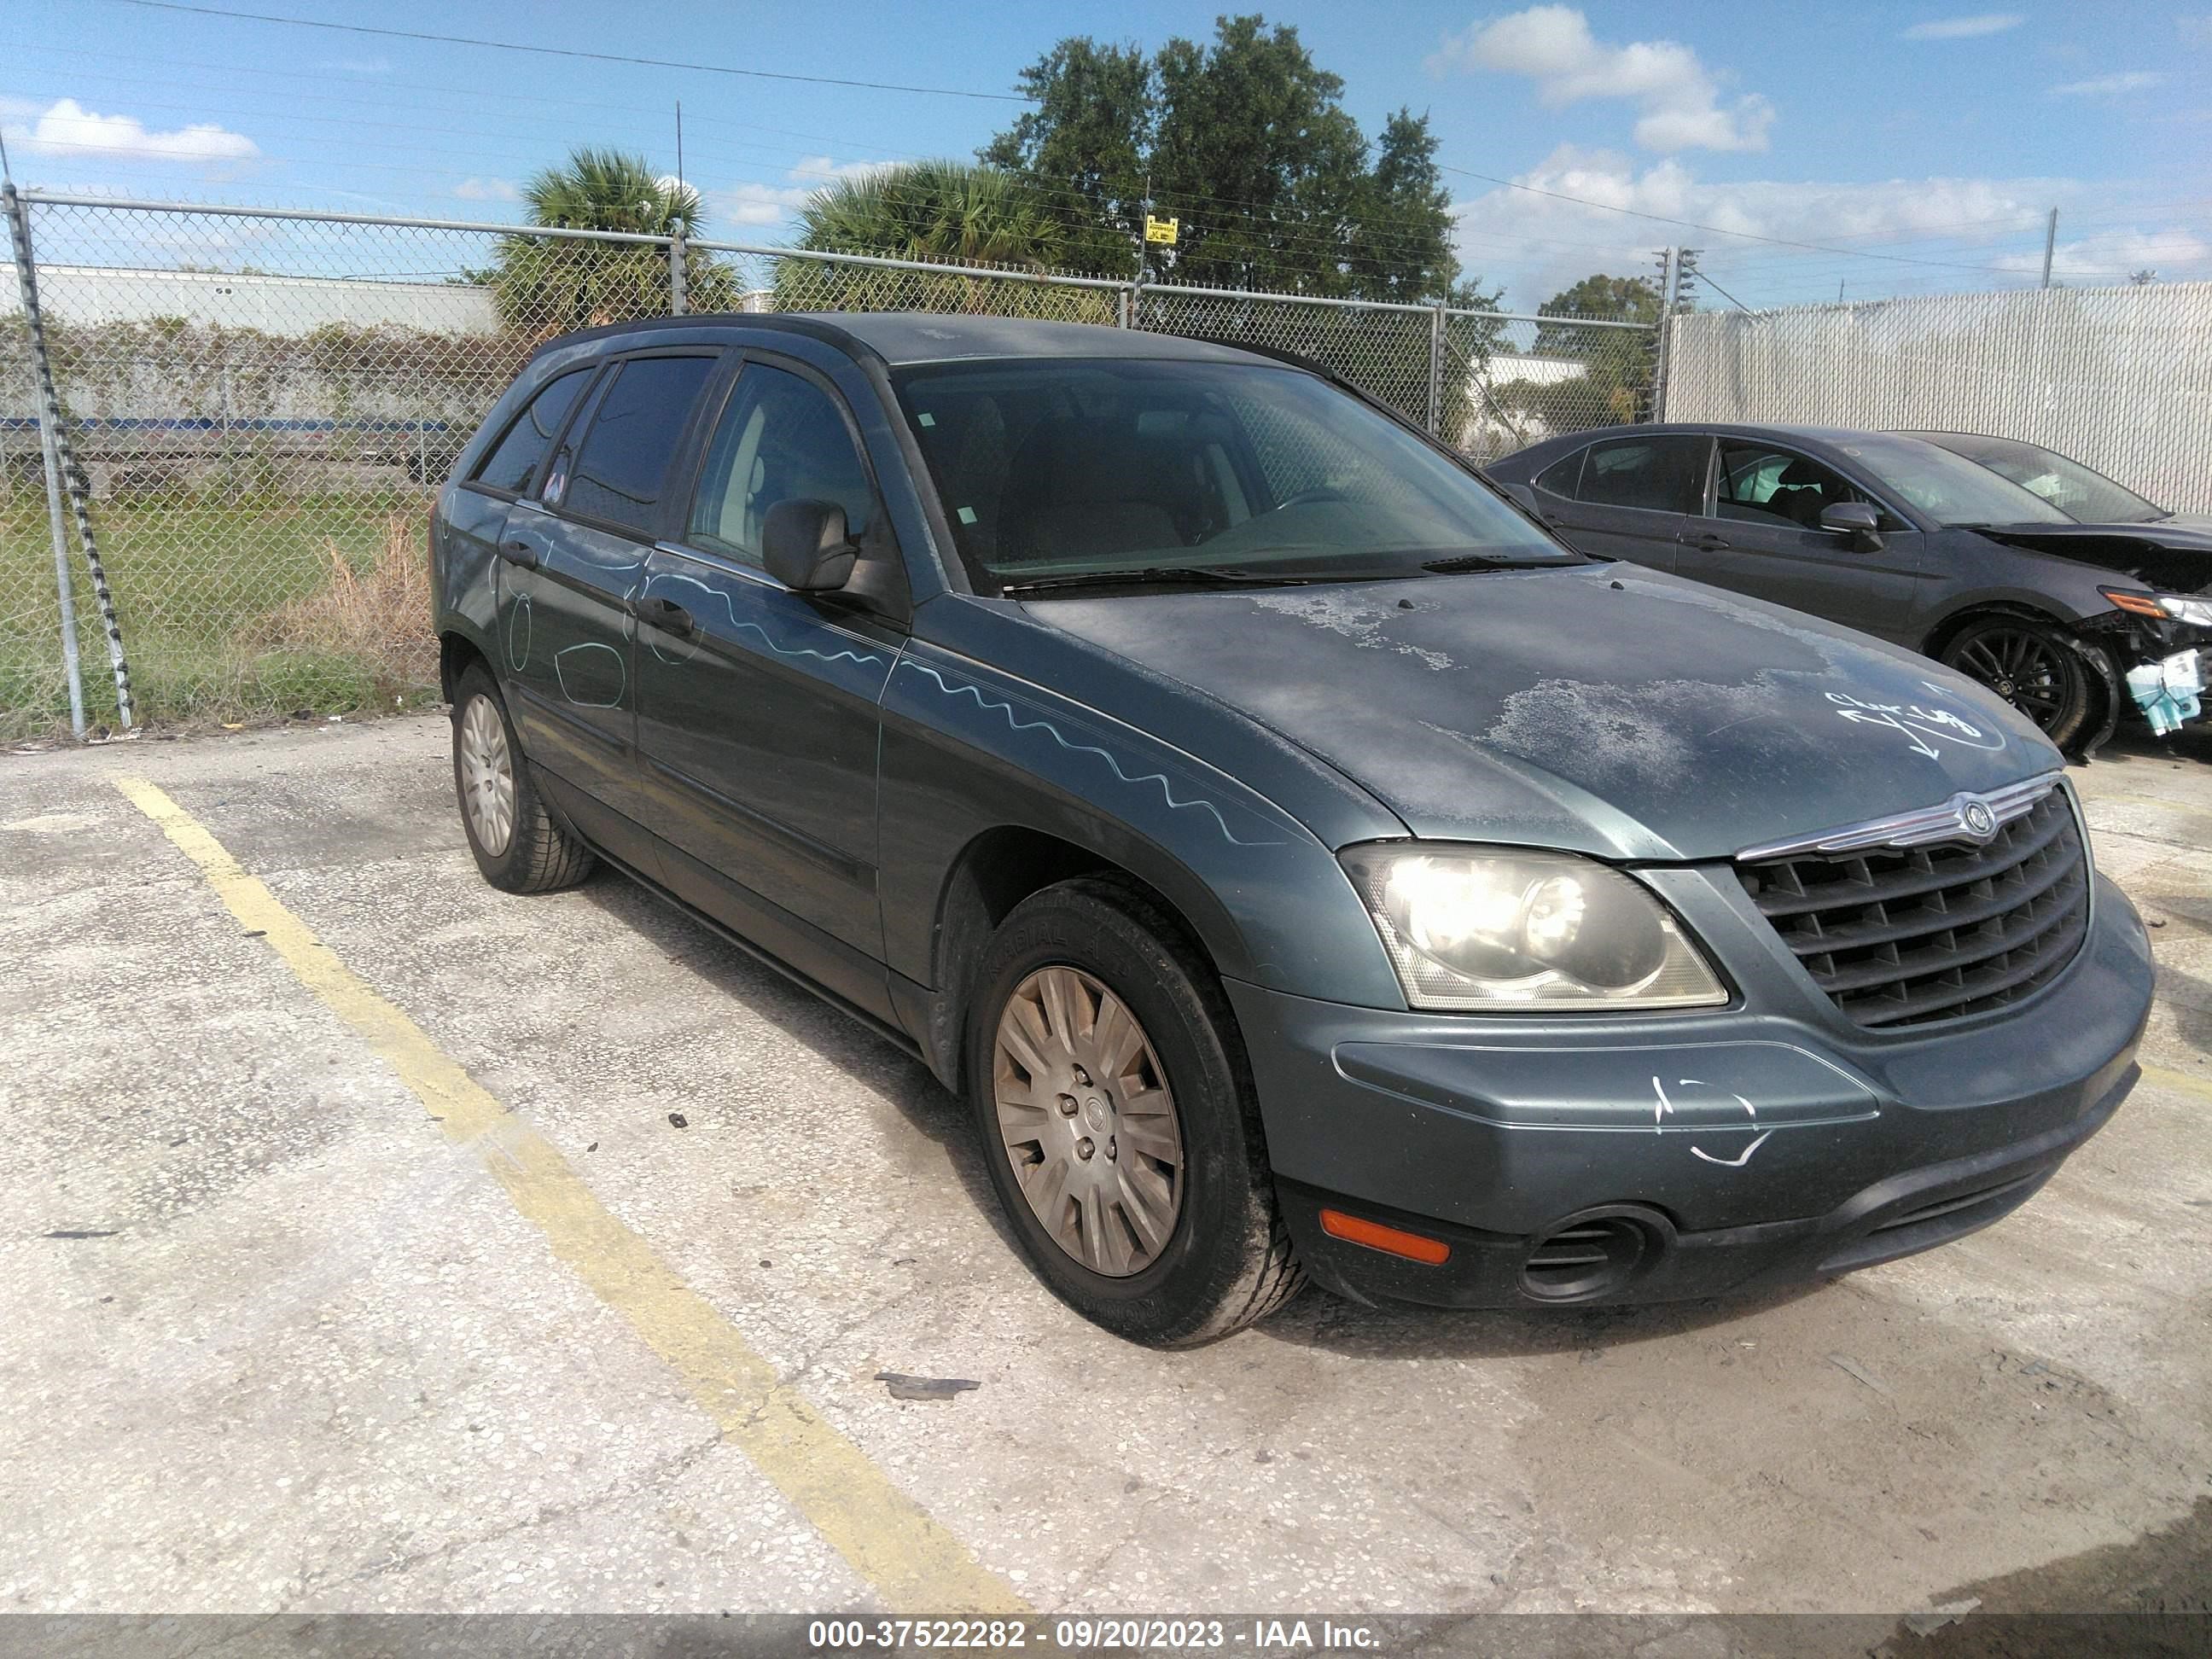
<point x="2118" y="378"/>
<point x="263" y="402"/>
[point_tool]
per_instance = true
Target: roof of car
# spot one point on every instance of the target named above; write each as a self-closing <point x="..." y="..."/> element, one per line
<point x="901" y="337"/>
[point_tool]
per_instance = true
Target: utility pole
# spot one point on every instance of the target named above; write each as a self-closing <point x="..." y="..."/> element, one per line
<point x="679" y="143"/>
<point x="2050" y="244"/>
<point x="1669" y="272"/>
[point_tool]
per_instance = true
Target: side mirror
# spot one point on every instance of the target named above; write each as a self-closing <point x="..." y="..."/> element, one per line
<point x="1855" y="519"/>
<point x="804" y="546"/>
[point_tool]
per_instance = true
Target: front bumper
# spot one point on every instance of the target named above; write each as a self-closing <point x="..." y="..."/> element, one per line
<point x="1770" y="1141"/>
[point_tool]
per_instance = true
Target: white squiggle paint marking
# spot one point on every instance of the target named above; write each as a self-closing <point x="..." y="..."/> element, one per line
<point x="561" y="673"/>
<point x="858" y="659"/>
<point x="1663" y="1107"/>
<point x="518" y="626"/>
<point x="1736" y="1163"/>
<point x="1019" y="725"/>
<point x="1360" y="623"/>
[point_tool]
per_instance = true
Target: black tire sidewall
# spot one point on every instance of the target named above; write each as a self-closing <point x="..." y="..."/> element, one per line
<point x="502" y="869"/>
<point x="2082" y="687"/>
<point x="1090" y="927"/>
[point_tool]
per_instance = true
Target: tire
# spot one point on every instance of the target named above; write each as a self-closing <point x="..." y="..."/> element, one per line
<point x="1217" y="1256"/>
<point x="534" y="855"/>
<point x="2036" y="668"/>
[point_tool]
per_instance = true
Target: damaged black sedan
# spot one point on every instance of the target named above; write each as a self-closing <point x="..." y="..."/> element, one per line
<point x="2077" y="625"/>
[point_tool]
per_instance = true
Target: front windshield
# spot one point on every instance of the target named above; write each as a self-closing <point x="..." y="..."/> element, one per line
<point x="1949" y="489"/>
<point x="1071" y="467"/>
<point x="2079" y="492"/>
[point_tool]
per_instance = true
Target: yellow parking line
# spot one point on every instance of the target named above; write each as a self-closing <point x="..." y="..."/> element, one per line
<point x="2166" y="1078"/>
<point x="914" y="1563"/>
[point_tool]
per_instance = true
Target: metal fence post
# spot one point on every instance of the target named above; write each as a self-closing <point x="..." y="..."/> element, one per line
<point x="64" y="586"/>
<point x="678" y="297"/>
<point x="1127" y="307"/>
<point x="61" y="461"/>
<point x="1436" y="370"/>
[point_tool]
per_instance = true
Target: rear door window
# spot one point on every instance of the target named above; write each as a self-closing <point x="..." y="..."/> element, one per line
<point x="1564" y="476"/>
<point x="620" y="472"/>
<point x="1664" y="472"/>
<point x="514" y="459"/>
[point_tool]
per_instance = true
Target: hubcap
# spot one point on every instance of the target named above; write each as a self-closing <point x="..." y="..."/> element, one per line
<point x="487" y="775"/>
<point x="1088" y="1123"/>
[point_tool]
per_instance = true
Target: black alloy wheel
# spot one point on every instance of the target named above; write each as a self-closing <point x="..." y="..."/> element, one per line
<point x="2033" y="667"/>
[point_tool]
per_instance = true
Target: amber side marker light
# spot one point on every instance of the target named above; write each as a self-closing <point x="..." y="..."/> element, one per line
<point x="1434" y="1252"/>
<point x="2143" y="604"/>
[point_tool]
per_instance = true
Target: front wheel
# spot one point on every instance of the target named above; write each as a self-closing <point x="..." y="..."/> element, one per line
<point x="2033" y="666"/>
<point x="1115" y="1111"/>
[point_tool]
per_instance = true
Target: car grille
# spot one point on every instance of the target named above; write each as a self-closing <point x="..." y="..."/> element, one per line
<point x="1907" y="937"/>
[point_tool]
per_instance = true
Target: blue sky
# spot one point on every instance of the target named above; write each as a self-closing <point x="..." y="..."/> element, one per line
<point x="1916" y="145"/>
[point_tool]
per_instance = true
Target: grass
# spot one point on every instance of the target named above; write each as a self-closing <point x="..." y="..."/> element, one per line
<point x="228" y="611"/>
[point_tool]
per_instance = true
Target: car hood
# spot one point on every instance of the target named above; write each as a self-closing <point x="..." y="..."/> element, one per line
<point x="1597" y="707"/>
<point x="2171" y="555"/>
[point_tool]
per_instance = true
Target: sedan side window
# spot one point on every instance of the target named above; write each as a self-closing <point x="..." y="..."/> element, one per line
<point x="780" y="439"/>
<point x="623" y="467"/>
<point x="1563" y="478"/>
<point x="1662" y="473"/>
<point x="515" y="457"/>
<point x="1760" y="484"/>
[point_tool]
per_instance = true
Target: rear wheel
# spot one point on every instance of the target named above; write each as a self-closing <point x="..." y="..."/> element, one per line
<point x="1115" y="1111"/>
<point x="2034" y="667"/>
<point x="516" y="844"/>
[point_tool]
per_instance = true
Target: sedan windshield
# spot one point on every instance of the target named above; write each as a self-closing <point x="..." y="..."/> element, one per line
<point x="1075" y="472"/>
<point x="2080" y="493"/>
<point x="1949" y="489"/>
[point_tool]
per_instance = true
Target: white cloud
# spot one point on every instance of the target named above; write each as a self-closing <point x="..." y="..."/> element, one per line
<point x="1964" y="28"/>
<point x="756" y="203"/>
<point x="1553" y="45"/>
<point x="1538" y="244"/>
<point x="2108" y="257"/>
<point x="65" y="128"/>
<point x="2107" y="86"/>
<point x="487" y="189"/>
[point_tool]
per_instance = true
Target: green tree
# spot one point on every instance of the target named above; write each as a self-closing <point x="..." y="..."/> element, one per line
<point x="943" y="212"/>
<point x="1245" y="140"/>
<point x="552" y="285"/>
<point x="1618" y="299"/>
<point x="1085" y="143"/>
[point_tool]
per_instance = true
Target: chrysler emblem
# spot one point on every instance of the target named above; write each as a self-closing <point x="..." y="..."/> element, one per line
<point x="1978" y="821"/>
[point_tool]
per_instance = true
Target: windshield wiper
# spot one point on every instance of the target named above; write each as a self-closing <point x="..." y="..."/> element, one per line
<point x="1192" y="575"/>
<point x="1487" y="561"/>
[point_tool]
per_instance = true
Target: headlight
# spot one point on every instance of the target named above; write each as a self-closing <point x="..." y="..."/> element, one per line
<point x="1503" y="930"/>
<point x="2181" y="607"/>
<point x="2198" y="611"/>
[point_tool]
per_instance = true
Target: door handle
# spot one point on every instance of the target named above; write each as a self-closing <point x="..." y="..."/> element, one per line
<point x="516" y="550"/>
<point x="664" y="614"/>
<point x="1709" y="543"/>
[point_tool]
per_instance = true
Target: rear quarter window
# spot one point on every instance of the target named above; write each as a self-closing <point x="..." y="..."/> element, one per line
<point x="514" y="459"/>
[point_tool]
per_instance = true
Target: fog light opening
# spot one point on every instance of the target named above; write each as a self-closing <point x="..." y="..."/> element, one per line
<point x="1595" y="1253"/>
<point x="1391" y="1241"/>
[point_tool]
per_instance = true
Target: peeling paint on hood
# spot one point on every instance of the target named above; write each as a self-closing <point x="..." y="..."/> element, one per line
<point x="1598" y="707"/>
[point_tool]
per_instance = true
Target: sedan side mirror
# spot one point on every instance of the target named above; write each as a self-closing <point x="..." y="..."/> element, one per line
<point x="1855" y="519"/>
<point x="804" y="546"/>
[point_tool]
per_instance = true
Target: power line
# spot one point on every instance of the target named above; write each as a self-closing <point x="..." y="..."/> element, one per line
<point x="569" y="52"/>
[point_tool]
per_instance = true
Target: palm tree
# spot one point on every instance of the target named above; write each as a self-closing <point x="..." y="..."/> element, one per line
<point x="552" y="285"/>
<point x="945" y="213"/>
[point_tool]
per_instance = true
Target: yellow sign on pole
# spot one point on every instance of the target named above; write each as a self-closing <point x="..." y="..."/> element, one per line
<point x="1160" y="230"/>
